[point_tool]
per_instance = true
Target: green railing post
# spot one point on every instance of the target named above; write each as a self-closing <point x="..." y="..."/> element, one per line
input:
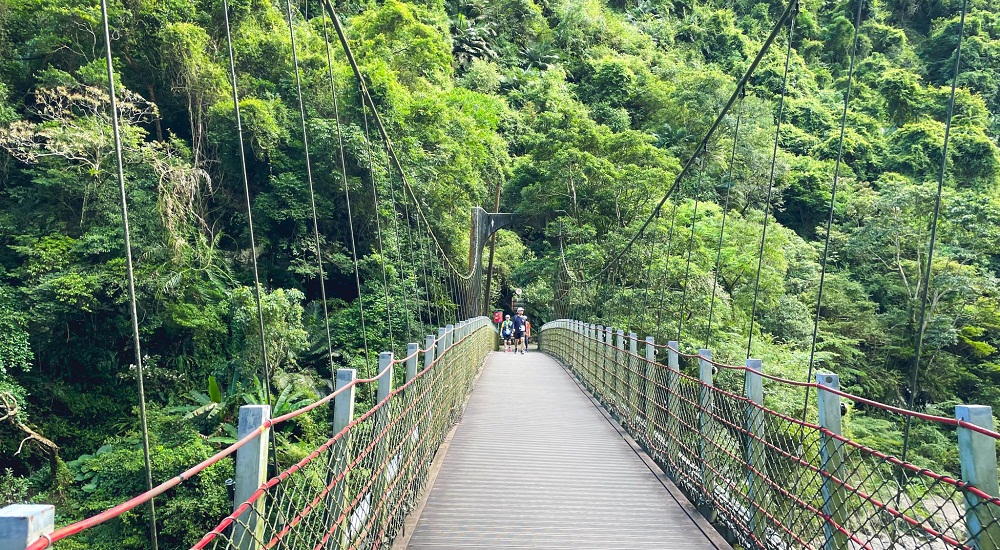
<point x="978" y="455"/>
<point x="832" y="462"/>
<point x="754" y="383"/>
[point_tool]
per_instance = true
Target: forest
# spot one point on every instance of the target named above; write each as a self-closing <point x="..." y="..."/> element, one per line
<point x="581" y="112"/>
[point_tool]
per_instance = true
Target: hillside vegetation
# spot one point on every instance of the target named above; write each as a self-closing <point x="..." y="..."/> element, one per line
<point x="583" y="111"/>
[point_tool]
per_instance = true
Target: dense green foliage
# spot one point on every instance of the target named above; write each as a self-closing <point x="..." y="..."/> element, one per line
<point x="582" y="110"/>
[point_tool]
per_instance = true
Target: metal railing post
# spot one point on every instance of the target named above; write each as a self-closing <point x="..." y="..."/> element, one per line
<point x="411" y="393"/>
<point x="385" y="376"/>
<point x="23" y="524"/>
<point x="754" y="383"/>
<point x="618" y="406"/>
<point x="706" y="401"/>
<point x="430" y="349"/>
<point x="251" y="473"/>
<point x="442" y="342"/>
<point x="343" y="413"/>
<point x="649" y="393"/>
<point x="382" y="460"/>
<point x="412" y="353"/>
<point x="977" y="453"/>
<point x="832" y="462"/>
<point x="673" y="404"/>
<point x="632" y="391"/>
<point x="609" y="350"/>
<point x="595" y="335"/>
<point x="599" y="361"/>
<point x="589" y="358"/>
<point x="426" y="417"/>
<point x="449" y="374"/>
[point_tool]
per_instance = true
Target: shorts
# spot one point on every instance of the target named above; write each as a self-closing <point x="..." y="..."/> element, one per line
<point x="519" y="334"/>
<point x="506" y="336"/>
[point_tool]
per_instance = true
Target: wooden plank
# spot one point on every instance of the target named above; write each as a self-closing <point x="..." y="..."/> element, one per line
<point x="534" y="464"/>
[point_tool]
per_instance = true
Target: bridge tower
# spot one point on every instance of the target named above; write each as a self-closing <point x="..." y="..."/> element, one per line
<point x="484" y="225"/>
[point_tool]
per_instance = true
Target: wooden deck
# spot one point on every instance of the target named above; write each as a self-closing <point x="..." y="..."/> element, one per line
<point x="534" y="464"/>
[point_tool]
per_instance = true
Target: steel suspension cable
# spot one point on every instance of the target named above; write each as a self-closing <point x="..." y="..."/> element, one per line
<point x="455" y="298"/>
<point x="687" y="267"/>
<point x="410" y="246"/>
<point x="430" y="291"/>
<point x="366" y="98"/>
<point x="452" y="296"/>
<point x="369" y="103"/>
<point x="399" y="250"/>
<point x="309" y="179"/>
<point x="633" y="310"/>
<point x="347" y="191"/>
<point x="922" y="318"/>
<point x="378" y="222"/>
<point x="570" y="313"/>
<point x="615" y="292"/>
<point x="585" y="308"/>
<point x="833" y="199"/>
<point x="594" y="296"/>
<point x="440" y="285"/>
<point x="770" y="182"/>
<point x="722" y="228"/>
<point x="628" y="296"/>
<point x="790" y="9"/>
<point x="649" y="273"/>
<point x="129" y="269"/>
<point x="493" y="244"/>
<point x="666" y="270"/>
<point x="463" y="301"/>
<point x="258" y="300"/>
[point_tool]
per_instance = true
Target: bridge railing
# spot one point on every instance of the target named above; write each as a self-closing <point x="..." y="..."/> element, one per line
<point x="353" y="491"/>
<point x="770" y="480"/>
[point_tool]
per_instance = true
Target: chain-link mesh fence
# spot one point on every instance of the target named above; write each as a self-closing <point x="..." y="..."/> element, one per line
<point x="767" y="479"/>
<point x="356" y="489"/>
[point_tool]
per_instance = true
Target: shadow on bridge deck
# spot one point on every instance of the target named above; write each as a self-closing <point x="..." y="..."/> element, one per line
<point x="534" y="464"/>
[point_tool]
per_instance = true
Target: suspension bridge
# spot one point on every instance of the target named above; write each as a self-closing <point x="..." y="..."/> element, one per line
<point x="605" y="437"/>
